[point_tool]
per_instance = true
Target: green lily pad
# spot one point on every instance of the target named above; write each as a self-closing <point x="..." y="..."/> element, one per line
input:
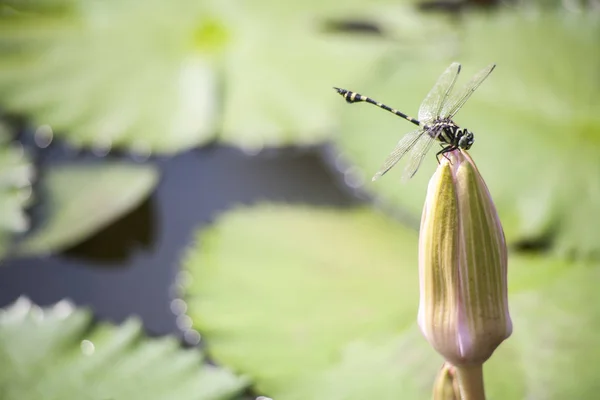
<point x="535" y="120"/>
<point x="155" y="76"/>
<point x="308" y="287"/>
<point x="322" y="303"/>
<point x="81" y="200"/>
<point x="283" y="94"/>
<point x="129" y="74"/>
<point x="402" y="366"/>
<point x="16" y="173"/>
<point x="58" y="353"/>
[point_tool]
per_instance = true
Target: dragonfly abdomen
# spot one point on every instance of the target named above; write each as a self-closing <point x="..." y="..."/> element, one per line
<point x="353" y="97"/>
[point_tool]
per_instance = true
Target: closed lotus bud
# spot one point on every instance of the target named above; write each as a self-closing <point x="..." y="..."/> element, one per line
<point x="463" y="310"/>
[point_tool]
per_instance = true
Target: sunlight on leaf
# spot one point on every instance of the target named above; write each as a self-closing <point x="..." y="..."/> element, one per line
<point x="80" y="200"/>
<point x="536" y="125"/>
<point x="314" y="302"/>
<point x="58" y="353"/>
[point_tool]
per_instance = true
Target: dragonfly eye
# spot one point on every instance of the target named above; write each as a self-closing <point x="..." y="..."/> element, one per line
<point x="466" y="140"/>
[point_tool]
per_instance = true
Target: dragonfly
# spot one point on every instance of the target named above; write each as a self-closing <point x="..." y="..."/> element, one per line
<point x="434" y="120"/>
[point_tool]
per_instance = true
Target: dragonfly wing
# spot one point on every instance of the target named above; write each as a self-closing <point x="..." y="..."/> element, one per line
<point x="403" y="146"/>
<point x="432" y="104"/>
<point x="417" y="154"/>
<point x="460" y="97"/>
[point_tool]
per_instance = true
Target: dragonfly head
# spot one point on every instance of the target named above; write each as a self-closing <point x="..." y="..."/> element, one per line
<point x="466" y="140"/>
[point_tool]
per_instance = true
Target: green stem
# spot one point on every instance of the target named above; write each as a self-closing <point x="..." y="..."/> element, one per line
<point x="470" y="381"/>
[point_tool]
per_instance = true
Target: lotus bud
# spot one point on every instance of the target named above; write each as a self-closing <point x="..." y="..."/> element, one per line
<point x="463" y="308"/>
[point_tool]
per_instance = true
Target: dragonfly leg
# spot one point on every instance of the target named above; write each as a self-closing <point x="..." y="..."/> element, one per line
<point x="437" y="155"/>
<point x="443" y="151"/>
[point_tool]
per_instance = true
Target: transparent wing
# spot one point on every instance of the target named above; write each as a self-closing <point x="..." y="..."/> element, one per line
<point x="417" y="154"/>
<point x="438" y="95"/>
<point x="460" y="97"/>
<point x="403" y="146"/>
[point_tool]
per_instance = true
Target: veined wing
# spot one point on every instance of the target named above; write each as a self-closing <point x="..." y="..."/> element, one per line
<point x="438" y="95"/>
<point x="404" y="145"/>
<point x="459" y="98"/>
<point x="417" y="154"/>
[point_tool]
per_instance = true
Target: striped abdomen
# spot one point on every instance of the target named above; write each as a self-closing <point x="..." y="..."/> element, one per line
<point x="353" y="97"/>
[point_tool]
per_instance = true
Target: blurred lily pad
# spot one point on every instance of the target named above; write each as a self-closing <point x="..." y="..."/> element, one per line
<point x="265" y="274"/>
<point x="156" y="76"/>
<point x="16" y="173"/>
<point x="279" y="77"/>
<point x="134" y="74"/>
<point x="402" y="366"/>
<point x="321" y="303"/>
<point x="536" y="125"/>
<point x="58" y="353"/>
<point x="78" y="201"/>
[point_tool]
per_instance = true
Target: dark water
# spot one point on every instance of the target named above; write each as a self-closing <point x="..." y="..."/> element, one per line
<point x="128" y="268"/>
